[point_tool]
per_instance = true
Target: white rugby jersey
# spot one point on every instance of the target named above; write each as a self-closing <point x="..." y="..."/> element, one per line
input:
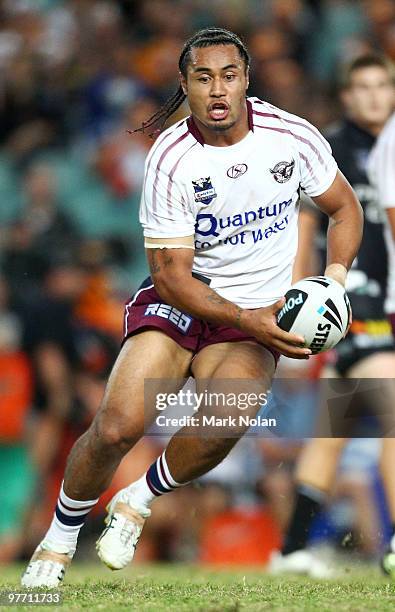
<point x="381" y="170"/>
<point x="240" y="202"/>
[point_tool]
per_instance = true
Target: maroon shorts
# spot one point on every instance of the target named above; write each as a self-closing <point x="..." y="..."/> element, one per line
<point x="146" y="310"/>
<point x="392" y="321"/>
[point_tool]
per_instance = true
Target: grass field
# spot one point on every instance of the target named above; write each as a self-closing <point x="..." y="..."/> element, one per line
<point x="180" y="587"/>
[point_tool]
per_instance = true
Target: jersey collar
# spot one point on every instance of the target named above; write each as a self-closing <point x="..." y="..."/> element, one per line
<point x="194" y="130"/>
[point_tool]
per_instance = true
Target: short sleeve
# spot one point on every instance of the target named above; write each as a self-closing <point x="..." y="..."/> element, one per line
<point x="381" y="167"/>
<point x="318" y="166"/>
<point x="164" y="211"/>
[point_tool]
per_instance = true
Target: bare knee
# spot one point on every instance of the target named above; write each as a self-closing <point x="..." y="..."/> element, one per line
<point x="115" y="434"/>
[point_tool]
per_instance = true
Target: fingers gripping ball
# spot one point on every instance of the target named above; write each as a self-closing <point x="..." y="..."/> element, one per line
<point x="318" y="309"/>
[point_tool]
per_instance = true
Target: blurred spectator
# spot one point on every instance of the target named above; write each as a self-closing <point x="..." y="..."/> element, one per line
<point x="16" y="395"/>
<point x="44" y="233"/>
<point x="71" y="359"/>
<point x="31" y="116"/>
<point x="98" y="306"/>
<point x="121" y="156"/>
<point x="49" y="337"/>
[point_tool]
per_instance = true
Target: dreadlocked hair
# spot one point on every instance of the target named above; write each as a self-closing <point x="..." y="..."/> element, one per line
<point x="203" y="38"/>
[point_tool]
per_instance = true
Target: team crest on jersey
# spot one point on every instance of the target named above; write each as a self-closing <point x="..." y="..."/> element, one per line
<point x="282" y="171"/>
<point x="204" y="190"/>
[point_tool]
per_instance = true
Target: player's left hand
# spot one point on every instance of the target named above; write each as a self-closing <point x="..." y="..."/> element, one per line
<point x="262" y="323"/>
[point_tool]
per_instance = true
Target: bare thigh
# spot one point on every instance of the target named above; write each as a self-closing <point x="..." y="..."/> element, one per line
<point x="248" y="360"/>
<point x="241" y="371"/>
<point x="149" y="363"/>
<point x="379" y="367"/>
<point x="221" y="370"/>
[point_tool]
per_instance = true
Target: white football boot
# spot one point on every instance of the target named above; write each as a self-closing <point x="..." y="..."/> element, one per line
<point x="125" y="521"/>
<point x="302" y="562"/>
<point x="47" y="567"/>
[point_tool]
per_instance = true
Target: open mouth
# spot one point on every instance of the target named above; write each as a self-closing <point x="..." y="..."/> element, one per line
<point x="218" y="111"/>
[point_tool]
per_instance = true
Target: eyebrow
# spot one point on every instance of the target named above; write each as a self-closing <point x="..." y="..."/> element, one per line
<point x="203" y="69"/>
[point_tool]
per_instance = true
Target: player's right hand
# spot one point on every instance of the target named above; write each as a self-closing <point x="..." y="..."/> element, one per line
<point x="262" y="323"/>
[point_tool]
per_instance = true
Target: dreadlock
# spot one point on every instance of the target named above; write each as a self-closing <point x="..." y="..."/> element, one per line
<point x="204" y="38"/>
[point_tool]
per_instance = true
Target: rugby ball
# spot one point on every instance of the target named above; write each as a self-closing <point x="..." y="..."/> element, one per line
<point x="318" y="309"/>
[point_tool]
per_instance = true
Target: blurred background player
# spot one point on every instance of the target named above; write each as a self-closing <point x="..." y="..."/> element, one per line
<point x="381" y="172"/>
<point x="368" y="95"/>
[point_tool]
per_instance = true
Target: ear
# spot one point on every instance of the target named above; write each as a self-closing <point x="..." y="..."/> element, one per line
<point x="247" y="77"/>
<point x="183" y="83"/>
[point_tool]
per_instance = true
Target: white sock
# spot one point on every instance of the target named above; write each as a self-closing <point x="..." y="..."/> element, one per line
<point x="69" y="517"/>
<point x="155" y="482"/>
<point x="141" y="491"/>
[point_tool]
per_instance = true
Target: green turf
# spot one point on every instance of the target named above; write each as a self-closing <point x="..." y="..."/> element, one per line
<point x="180" y="587"/>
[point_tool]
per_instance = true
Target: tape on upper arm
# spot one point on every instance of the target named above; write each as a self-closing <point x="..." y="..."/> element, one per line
<point x="169" y="246"/>
<point x="183" y="242"/>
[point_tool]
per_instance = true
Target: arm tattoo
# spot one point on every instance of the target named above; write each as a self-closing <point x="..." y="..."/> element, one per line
<point x="155" y="267"/>
<point x="167" y="259"/>
<point x="215" y="298"/>
<point x="238" y="317"/>
<point x="154" y="255"/>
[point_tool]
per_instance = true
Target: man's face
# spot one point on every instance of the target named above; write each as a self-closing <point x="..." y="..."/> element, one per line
<point x="370" y="97"/>
<point x="216" y="86"/>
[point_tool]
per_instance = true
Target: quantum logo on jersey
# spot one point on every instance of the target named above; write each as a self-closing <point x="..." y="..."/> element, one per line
<point x="179" y="319"/>
<point x="237" y="170"/>
<point x="282" y="171"/>
<point x="238" y="220"/>
<point x="204" y="190"/>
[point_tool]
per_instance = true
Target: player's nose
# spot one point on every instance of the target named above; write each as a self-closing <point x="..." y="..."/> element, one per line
<point x="217" y="88"/>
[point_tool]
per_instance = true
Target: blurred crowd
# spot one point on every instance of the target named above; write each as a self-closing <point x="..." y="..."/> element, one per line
<point x="75" y="76"/>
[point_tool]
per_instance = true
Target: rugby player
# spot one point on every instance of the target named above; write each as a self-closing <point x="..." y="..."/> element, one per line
<point x="381" y="172"/>
<point x="368" y="96"/>
<point x="219" y="211"/>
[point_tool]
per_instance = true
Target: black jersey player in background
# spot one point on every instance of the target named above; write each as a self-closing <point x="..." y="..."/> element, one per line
<point x="367" y="351"/>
